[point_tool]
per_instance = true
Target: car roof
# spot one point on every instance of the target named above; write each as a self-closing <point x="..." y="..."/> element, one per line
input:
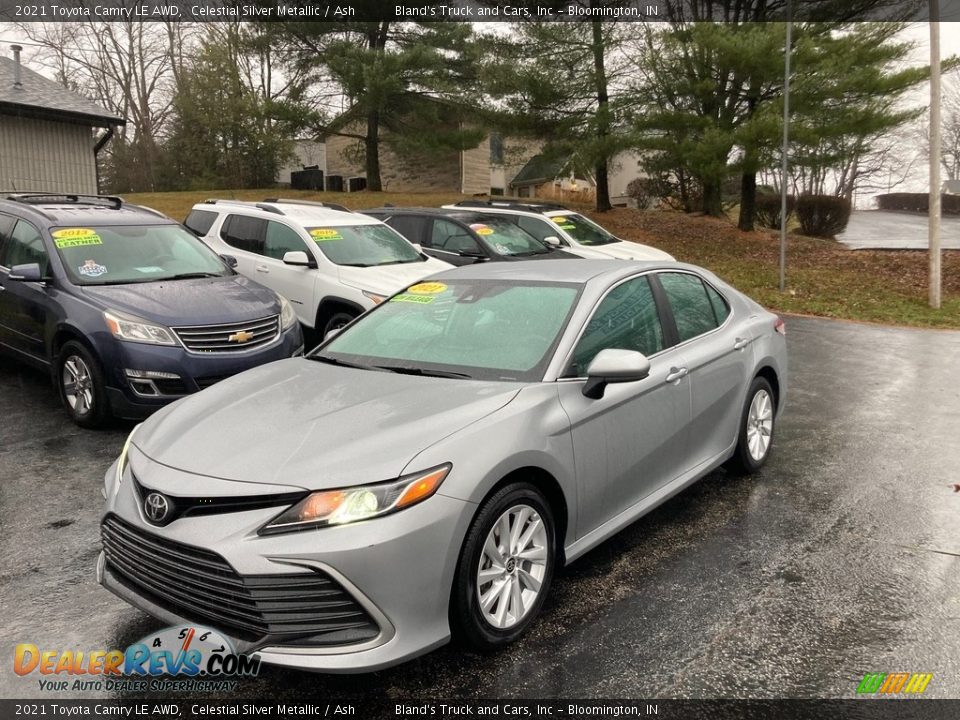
<point x="54" y="209"/>
<point x="579" y="270"/>
<point x="511" y="204"/>
<point x="304" y="213"/>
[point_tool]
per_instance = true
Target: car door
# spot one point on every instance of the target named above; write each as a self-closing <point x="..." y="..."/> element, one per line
<point x="295" y="282"/>
<point x="245" y="237"/>
<point x="717" y="357"/>
<point x="24" y="306"/>
<point x="629" y="443"/>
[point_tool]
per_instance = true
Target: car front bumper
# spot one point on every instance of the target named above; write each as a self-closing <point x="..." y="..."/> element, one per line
<point x="135" y="399"/>
<point x="399" y="568"/>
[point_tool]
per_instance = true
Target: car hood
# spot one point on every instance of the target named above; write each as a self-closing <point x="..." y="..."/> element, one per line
<point x="200" y="301"/>
<point x="388" y="279"/>
<point x="313" y="425"/>
<point x="624" y="250"/>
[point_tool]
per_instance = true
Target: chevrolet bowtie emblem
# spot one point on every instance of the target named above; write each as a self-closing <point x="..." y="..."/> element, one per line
<point x="240" y="337"/>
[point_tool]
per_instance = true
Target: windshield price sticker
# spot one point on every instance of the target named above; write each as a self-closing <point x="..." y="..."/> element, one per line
<point x="482" y="229"/>
<point x="419" y="299"/>
<point x="322" y="234"/>
<point x="75" y="237"/>
<point x="427" y="288"/>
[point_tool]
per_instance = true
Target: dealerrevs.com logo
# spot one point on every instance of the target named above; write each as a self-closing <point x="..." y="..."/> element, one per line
<point x="182" y="657"/>
<point x="894" y="683"/>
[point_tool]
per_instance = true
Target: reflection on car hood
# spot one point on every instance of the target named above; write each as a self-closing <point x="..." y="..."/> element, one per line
<point x="388" y="279"/>
<point x="624" y="250"/>
<point x="310" y="424"/>
<point x="200" y="301"/>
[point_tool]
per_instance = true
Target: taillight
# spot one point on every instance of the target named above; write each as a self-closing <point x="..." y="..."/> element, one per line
<point x="780" y="326"/>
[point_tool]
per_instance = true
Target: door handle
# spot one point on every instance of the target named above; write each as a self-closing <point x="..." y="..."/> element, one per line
<point x="741" y="343"/>
<point x="262" y="268"/>
<point x="676" y="374"/>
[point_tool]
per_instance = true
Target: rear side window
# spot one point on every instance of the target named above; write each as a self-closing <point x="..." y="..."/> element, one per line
<point x="25" y="246"/>
<point x="408" y="226"/>
<point x="244" y="233"/>
<point x="6" y="227"/>
<point x="199" y="222"/>
<point x="281" y="240"/>
<point x="720" y="307"/>
<point x="692" y="309"/>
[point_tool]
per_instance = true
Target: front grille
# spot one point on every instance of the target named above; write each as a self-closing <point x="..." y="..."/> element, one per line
<point x="202" y="587"/>
<point x="216" y="338"/>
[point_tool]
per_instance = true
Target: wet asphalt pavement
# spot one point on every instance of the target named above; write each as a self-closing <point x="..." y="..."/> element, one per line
<point x="841" y="557"/>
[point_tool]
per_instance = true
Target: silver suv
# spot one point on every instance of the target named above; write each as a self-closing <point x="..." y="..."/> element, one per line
<point x="331" y="264"/>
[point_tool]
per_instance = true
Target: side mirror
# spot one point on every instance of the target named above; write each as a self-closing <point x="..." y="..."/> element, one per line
<point x="296" y="257"/>
<point x="230" y="260"/>
<point x="30" y="272"/>
<point x="418" y="247"/>
<point x="330" y="335"/>
<point x="552" y="241"/>
<point x="614" y="366"/>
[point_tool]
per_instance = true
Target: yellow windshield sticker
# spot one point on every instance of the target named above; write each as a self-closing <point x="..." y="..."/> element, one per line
<point x="559" y="220"/>
<point x="481" y="229"/>
<point x="419" y="299"/>
<point x="427" y="288"/>
<point x="75" y="237"/>
<point x="321" y="234"/>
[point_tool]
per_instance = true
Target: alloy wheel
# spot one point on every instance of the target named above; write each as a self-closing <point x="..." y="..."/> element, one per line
<point x="759" y="425"/>
<point x="77" y="384"/>
<point x="512" y="567"/>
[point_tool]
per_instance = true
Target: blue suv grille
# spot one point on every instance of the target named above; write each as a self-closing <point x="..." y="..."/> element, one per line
<point x="231" y="337"/>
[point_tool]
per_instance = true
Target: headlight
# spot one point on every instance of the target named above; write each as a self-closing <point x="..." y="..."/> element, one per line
<point x="122" y="460"/>
<point x="128" y="327"/>
<point x="288" y="315"/>
<point x="346" y="505"/>
<point x="377" y="299"/>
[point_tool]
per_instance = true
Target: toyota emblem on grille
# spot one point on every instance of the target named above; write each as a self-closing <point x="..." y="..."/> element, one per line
<point x="156" y="507"/>
<point x="241" y="336"/>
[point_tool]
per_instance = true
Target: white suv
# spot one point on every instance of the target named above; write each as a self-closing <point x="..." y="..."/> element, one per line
<point x="576" y="233"/>
<point x="331" y="265"/>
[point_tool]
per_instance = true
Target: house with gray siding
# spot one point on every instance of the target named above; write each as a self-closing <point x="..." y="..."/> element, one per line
<point x="49" y="136"/>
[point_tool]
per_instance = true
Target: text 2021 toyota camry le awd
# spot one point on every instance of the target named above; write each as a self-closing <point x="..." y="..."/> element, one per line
<point x="425" y="470"/>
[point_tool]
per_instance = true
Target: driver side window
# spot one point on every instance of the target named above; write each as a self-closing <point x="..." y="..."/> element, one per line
<point x="626" y="319"/>
<point x="452" y="238"/>
<point x="281" y="240"/>
<point x="24" y="246"/>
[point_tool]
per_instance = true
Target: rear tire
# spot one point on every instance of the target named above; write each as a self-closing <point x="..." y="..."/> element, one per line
<point x="505" y="567"/>
<point x="81" y="387"/>
<point x="756" y="429"/>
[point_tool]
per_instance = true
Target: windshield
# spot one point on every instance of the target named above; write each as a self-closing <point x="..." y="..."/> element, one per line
<point x="482" y="329"/>
<point x="583" y="230"/>
<point x="122" y="254"/>
<point x="504" y="236"/>
<point x="363" y="245"/>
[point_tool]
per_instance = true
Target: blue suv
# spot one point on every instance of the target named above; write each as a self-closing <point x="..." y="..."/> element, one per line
<point x="126" y="308"/>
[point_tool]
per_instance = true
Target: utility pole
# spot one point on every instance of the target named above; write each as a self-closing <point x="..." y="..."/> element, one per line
<point x="933" y="221"/>
<point x="786" y="137"/>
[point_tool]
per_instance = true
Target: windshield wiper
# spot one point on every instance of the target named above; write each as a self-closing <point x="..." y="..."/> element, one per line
<point x="189" y="275"/>
<point x="335" y="361"/>
<point x="532" y="252"/>
<point x="420" y="371"/>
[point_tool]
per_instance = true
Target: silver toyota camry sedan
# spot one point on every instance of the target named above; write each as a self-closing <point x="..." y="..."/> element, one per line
<point x="424" y="472"/>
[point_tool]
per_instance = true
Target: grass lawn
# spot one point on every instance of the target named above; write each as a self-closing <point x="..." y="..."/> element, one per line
<point x="823" y="278"/>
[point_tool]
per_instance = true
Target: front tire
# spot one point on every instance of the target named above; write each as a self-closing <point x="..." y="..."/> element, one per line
<point x="756" y="428"/>
<point x="338" y="320"/>
<point x="505" y="567"/>
<point x="81" y="387"/>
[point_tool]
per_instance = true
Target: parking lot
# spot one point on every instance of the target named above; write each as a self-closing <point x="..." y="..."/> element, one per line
<point x="840" y="557"/>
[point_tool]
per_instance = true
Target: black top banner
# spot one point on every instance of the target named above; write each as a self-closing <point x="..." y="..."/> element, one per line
<point x="472" y="10"/>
